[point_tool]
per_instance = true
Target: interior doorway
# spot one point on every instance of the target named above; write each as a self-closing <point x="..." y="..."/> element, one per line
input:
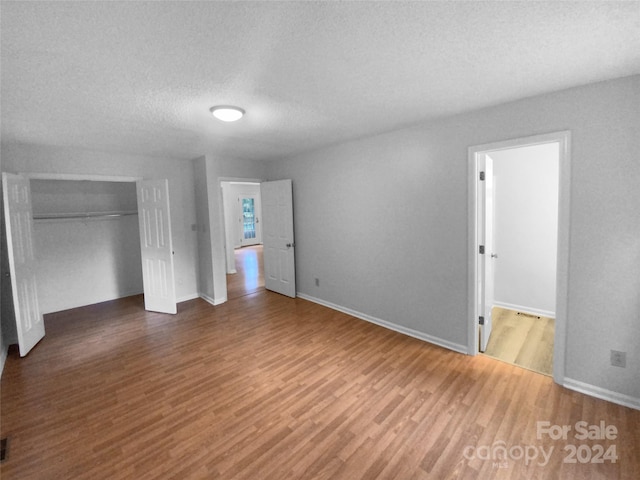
<point x="521" y="253"/>
<point x="242" y="212"/>
<point x="518" y="272"/>
<point x="242" y="209"/>
<point x="276" y="232"/>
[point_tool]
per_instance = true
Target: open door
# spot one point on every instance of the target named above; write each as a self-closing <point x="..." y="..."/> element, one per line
<point x="22" y="263"/>
<point x="486" y="259"/>
<point x="156" y="246"/>
<point x="277" y="236"/>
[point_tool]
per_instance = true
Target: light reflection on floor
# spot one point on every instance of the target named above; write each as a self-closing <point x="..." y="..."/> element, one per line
<point x="250" y="272"/>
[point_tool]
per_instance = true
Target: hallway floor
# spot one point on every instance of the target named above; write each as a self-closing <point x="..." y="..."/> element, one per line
<point x="250" y="272"/>
<point x="523" y="340"/>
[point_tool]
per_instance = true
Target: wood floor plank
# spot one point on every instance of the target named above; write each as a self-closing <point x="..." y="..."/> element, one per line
<point x="522" y="339"/>
<point x="249" y="276"/>
<point x="270" y="387"/>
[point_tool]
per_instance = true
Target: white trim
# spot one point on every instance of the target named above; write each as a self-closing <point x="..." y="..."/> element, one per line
<point x="602" y="393"/>
<point x="81" y="177"/>
<point x="528" y="310"/>
<point x="251" y="181"/>
<point x="212" y="301"/>
<point x="186" y="298"/>
<point x="131" y="293"/>
<point x="563" y="138"/>
<point x="456" y="347"/>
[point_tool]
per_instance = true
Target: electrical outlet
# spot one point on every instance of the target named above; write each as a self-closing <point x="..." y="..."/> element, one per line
<point x="317" y="280"/>
<point x="618" y="359"/>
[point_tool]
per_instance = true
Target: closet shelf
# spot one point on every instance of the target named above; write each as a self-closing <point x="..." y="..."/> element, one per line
<point x="86" y="215"/>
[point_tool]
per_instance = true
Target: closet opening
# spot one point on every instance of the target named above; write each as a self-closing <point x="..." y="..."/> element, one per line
<point x="87" y="239"/>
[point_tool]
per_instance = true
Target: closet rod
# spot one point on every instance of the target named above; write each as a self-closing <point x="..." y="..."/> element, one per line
<point x="62" y="216"/>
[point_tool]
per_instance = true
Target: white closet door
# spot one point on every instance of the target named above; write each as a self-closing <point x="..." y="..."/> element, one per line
<point x="156" y="246"/>
<point x="22" y="263"/>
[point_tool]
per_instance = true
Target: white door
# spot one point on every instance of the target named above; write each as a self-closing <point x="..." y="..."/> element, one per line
<point x="277" y="236"/>
<point x="156" y="246"/>
<point x="486" y="260"/>
<point x="249" y="220"/>
<point x="22" y="262"/>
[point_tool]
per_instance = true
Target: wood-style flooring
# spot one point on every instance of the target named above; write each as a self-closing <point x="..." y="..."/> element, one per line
<point x="249" y="276"/>
<point x="523" y="340"/>
<point x="268" y="387"/>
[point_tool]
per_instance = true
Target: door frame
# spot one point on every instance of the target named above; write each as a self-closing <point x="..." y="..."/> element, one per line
<point x="88" y="177"/>
<point x="226" y="210"/>
<point x="563" y="138"/>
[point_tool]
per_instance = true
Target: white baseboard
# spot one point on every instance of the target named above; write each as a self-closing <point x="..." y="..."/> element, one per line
<point x="212" y="301"/>
<point x="530" y="310"/>
<point x="95" y="301"/>
<point x="602" y="393"/>
<point x="186" y="298"/>
<point x="391" y="326"/>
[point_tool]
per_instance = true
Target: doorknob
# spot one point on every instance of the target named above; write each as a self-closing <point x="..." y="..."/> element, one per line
<point x="289" y="245"/>
<point x="494" y="255"/>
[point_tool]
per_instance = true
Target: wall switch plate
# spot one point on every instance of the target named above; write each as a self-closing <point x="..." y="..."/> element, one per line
<point x="618" y="359"/>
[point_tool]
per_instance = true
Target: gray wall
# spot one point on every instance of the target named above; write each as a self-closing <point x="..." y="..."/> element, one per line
<point x="382" y="222"/>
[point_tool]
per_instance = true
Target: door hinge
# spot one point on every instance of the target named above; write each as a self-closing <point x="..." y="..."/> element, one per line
<point x="481" y="250"/>
<point x="481" y="176"/>
<point x="481" y="321"/>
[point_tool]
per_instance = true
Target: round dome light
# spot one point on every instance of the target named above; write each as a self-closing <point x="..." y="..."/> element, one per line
<point x="227" y="113"/>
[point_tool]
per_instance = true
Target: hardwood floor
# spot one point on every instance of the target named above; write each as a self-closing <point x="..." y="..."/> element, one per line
<point x="249" y="276"/>
<point x="523" y="340"/>
<point x="267" y="387"/>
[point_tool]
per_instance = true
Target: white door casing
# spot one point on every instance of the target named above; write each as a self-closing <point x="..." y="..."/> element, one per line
<point x="22" y="261"/>
<point x="486" y="266"/>
<point x="277" y="236"/>
<point x="563" y="138"/>
<point x="156" y="246"/>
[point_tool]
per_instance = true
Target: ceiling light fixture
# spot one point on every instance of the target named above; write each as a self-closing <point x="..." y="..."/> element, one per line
<point x="227" y="113"/>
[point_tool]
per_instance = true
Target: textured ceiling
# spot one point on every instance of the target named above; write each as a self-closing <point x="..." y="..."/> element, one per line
<point x="140" y="77"/>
